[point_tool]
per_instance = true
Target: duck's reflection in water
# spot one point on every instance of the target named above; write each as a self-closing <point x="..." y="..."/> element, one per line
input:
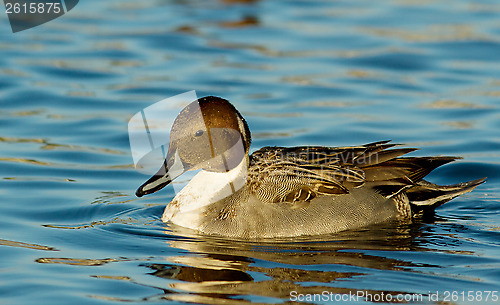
<point x="218" y="270"/>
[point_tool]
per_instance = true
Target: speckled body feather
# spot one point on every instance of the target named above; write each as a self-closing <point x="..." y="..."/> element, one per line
<point x="319" y="190"/>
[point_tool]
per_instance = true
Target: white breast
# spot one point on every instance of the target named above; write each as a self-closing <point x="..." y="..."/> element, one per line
<point x="205" y="188"/>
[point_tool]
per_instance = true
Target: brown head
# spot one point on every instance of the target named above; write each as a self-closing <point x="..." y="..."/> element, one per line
<point x="208" y="134"/>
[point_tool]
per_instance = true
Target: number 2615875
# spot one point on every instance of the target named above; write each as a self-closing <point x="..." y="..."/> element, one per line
<point x="33" y="8"/>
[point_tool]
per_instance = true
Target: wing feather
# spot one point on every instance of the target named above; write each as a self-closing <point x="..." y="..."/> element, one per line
<point x="279" y="174"/>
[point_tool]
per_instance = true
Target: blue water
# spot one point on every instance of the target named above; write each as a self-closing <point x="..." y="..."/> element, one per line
<point x="424" y="73"/>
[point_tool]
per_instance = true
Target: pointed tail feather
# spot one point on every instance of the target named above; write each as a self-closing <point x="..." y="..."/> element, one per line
<point x="410" y="169"/>
<point x="428" y="196"/>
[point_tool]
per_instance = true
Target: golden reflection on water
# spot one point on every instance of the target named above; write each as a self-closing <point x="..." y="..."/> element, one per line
<point x="450" y="104"/>
<point x="23" y="160"/>
<point x="243" y="22"/>
<point x="273" y="135"/>
<point x="432" y="33"/>
<point x="219" y="268"/>
<point x="18" y="244"/>
<point x="13" y="72"/>
<point x="66" y="147"/>
<point x="460" y="124"/>
<point x="81" y="93"/>
<point x="75" y="261"/>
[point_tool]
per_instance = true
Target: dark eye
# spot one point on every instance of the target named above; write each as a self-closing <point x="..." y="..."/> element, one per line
<point x="198" y="133"/>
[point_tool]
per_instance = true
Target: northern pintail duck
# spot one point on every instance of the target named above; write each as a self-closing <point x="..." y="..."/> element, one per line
<point x="285" y="192"/>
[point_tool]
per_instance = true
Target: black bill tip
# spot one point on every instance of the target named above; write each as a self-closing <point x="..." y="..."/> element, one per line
<point x="154" y="184"/>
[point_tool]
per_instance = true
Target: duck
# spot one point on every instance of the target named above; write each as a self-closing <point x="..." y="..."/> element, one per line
<point x="278" y="192"/>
